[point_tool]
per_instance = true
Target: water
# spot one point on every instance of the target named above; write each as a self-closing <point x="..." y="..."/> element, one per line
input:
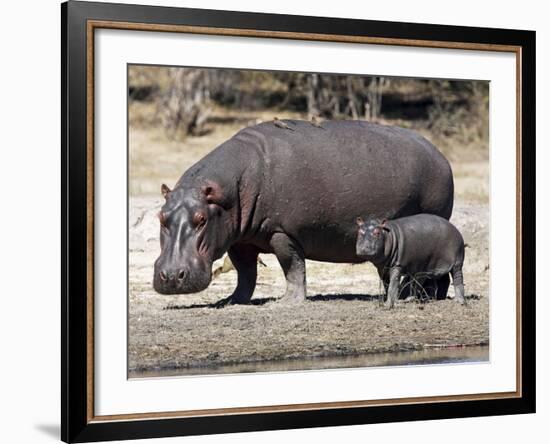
<point x="418" y="357"/>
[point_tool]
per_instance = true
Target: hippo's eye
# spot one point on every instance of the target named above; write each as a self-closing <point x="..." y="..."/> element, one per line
<point x="199" y="219"/>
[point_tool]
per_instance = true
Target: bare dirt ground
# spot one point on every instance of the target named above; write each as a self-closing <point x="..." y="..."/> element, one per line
<point x="342" y="317"/>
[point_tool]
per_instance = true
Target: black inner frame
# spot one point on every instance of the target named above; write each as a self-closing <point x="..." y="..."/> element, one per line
<point x="74" y="423"/>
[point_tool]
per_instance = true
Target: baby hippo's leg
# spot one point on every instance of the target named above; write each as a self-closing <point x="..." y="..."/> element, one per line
<point x="458" y="283"/>
<point x="384" y="275"/>
<point x="393" y="290"/>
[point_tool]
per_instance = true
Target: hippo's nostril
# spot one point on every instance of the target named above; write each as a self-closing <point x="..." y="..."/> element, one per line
<point x="163" y="276"/>
<point x="181" y="275"/>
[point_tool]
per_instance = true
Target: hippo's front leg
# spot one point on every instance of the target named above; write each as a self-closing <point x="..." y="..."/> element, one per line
<point x="291" y="258"/>
<point x="245" y="261"/>
<point x="393" y="290"/>
<point x="244" y="258"/>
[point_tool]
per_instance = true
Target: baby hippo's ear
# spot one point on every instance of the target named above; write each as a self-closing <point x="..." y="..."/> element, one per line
<point x="359" y="221"/>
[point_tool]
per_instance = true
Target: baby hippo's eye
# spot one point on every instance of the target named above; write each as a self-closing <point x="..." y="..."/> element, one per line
<point x="199" y="219"/>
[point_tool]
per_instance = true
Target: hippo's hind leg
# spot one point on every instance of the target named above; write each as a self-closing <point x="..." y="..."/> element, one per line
<point x="292" y="260"/>
<point x="458" y="283"/>
<point x="442" y="287"/>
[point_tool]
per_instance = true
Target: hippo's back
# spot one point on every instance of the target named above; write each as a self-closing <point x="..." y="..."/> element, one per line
<point x="317" y="181"/>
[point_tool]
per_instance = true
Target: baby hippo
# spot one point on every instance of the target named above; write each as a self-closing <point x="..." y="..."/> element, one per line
<point x="423" y="245"/>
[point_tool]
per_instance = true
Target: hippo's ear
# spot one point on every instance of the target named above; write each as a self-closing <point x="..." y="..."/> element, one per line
<point x="165" y="190"/>
<point x="214" y="194"/>
<point x="383" y="225"/>
<point x="359" y="221"/>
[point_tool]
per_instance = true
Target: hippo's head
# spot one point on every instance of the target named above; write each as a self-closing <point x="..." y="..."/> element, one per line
<point x="194" y="231"/>
<point x="370" y="238"/>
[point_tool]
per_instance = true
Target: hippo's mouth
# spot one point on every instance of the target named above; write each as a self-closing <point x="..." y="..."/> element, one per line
<point x="194" y="283"/>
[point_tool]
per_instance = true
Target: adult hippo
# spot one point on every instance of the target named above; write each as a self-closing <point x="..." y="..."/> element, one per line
<point x="295" y="192"/>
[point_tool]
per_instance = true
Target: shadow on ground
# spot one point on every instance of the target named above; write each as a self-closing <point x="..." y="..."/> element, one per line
<point x="259" y="301"/>
<point x="343" y="297"/>
<point x="315" y="298"/>
<point x="262" y="301"/>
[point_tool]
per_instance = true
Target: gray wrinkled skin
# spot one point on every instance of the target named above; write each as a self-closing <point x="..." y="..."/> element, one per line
<point x="422" y="246"/>
<point x="295" y="194"/>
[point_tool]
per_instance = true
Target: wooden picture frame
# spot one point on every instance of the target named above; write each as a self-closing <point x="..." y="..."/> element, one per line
<point x="79" y="22"/>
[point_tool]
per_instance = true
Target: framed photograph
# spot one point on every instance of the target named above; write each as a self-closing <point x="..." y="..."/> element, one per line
<point x="275" y="221"/>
